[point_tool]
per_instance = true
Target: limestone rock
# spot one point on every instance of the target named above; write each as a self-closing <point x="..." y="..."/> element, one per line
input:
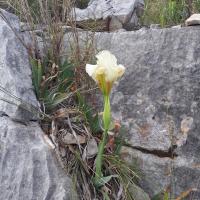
<point x="152" y="180"/>
<point x="157" y="100"/>
<point x="138" y="193"/>
<point x="193" y="20"/>
<point x="28" y="168"/>
<point x="124" y="13"/>
<point x="15" y="71"/>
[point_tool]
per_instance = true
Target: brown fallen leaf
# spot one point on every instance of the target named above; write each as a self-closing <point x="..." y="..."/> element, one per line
<point x="68" y="138"/>
<point x="64" y="112"/>
<point x="117" y="126"/>
<point x="48" y="141"/>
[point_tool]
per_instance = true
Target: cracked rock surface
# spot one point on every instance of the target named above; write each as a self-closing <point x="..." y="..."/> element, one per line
<point x="28" y="168"/>
<point x="158" y="101"/>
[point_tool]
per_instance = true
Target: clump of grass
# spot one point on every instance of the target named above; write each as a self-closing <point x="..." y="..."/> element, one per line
<point x="169" y="12"/>
<point x="196" y="6"/>
<point x="53" y="84"/>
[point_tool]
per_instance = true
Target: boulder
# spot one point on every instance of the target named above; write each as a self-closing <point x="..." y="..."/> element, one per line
<point x="193" y="20"/>
<point x="157" y="101"/>
<point x="29" y="169"/>
<point x="114" y="13"/>
<point x="14" y="70"/>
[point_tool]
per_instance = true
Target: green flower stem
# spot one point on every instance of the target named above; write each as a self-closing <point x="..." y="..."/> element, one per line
<point x="106" y="121"/>
<point x="106" y="113"/>
<point x="99" y="159"/>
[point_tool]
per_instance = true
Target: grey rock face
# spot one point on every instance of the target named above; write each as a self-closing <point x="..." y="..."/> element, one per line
<point x="116" y="13"/>
<point x="158" y="102"/>
<point x="28" y="168"/>
<point x="15" y="70"/>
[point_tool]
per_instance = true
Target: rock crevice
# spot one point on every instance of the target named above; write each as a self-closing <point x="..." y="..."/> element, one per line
<point x="159" y="153"/>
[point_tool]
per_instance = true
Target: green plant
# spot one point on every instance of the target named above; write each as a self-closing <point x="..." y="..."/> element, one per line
<point x="52" y="82"/>
<point x="125" y="174"/>
<point x="91" y="118"/>
<point x="105" y="73"/>
<point x="165" y="12"/>
<point x="37" y="73"/>
<point x="164" y="195"/>
<point x="196" y="6"/>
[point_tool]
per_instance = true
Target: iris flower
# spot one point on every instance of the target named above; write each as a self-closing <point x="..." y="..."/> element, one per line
<point x="104" y="73"/>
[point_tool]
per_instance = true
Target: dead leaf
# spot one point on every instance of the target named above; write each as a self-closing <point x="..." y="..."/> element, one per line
<point x="68" y="138"/>
<point x="48" y="142"/>
<point x="117" y="126"/>
<point x="64" y="112"/>
<point x="111" y="143"/>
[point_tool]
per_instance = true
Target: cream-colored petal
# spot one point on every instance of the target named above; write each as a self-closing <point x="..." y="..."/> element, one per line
<point x="120" y="70"/>
<point x="90" y="69"/>
<point x="106" y="69"/>
<point x="100" y="71"/>
<point x="106" y="59"/>
<point x="110" y="74"/>
<point x="103" y="54"/>
<point x="113" y="73"/>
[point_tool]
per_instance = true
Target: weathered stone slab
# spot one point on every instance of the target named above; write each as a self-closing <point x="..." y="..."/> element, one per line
<point x="115" y="13"/>
<point x="15" y="71"/>
<point x="28" y="168"/>
<point x="158" y="102"/>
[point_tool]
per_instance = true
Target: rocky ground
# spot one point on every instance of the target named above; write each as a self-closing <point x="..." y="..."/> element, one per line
<point x="157" y="101"/>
